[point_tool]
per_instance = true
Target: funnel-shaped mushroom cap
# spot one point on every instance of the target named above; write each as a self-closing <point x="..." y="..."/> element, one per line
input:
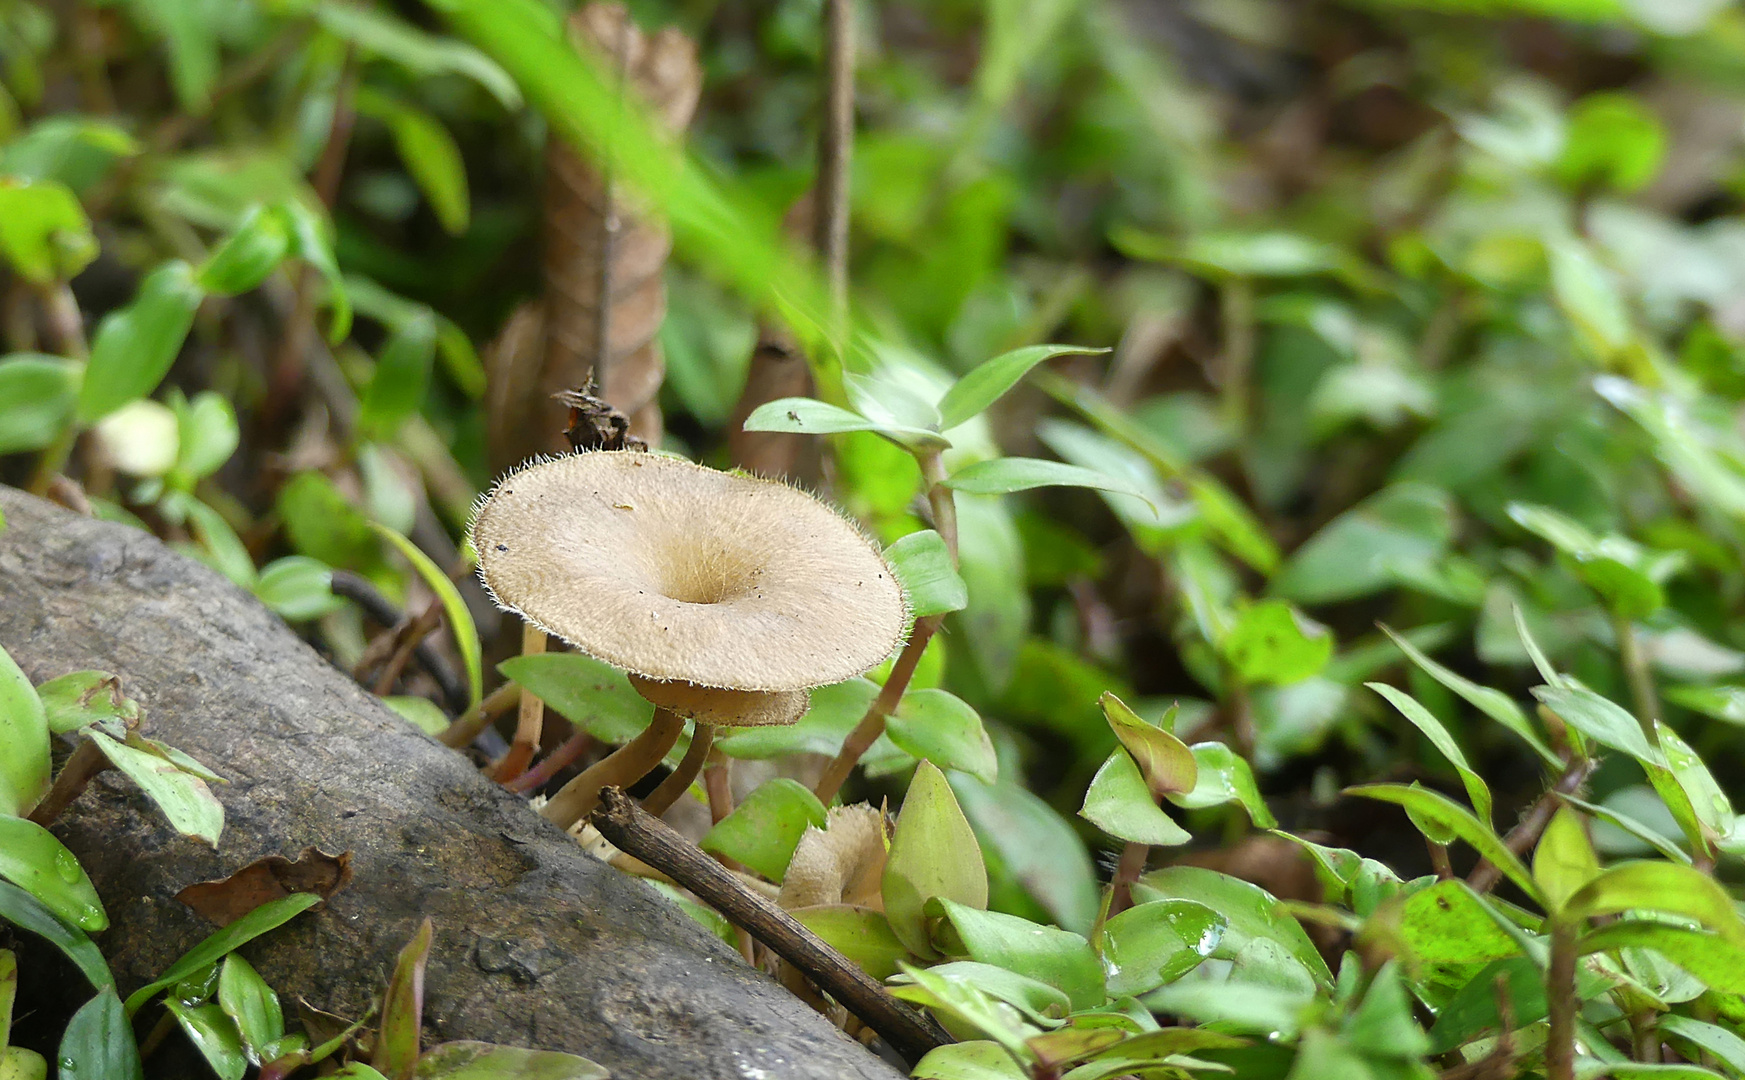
<point x="675" y="571"/>
<point x="727" y="708"/>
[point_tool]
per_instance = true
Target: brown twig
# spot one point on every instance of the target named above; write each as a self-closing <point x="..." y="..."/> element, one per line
<point x="408" y="640"/>
<point x="835" y="147"/>
<point x="872" y="725"/>
<point x="1439" y="859"/>
<point x="87" y="761"/>
<point x="1127" y="871"/>
<point x="633" y="830"/>
<point x="464" y="730"/>
<point x="358" y="589"/>
<point x="567" y="753"/>
<point x="1523" y="836"/>
<point x="679" y="781"/>
<point x="621" y="768"/>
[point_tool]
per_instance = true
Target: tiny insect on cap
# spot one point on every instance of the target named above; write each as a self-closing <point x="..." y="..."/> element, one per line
<point x="681" y="573"/>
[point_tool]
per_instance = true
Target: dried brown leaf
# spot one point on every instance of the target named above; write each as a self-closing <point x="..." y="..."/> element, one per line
<point x="270" y="877"/>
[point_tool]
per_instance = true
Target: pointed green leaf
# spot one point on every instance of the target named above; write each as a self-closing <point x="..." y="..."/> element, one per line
<point x="1003" y="476"/>
<point x="1493" y="703"/>
<point x="763" y="831"/>
<point x="1534" y="652"/>
<point x="246" y="998"/>
<point x="1164" y="760"/>
<point x="488" y="1061"/>
<point x="98" y="1043"/>
<point x="1382" y="1025"/>
<point x="924" y="568"/>
<point x="28" y="913"/>
<point x="187" y="803"/>
<point x="1151" y="944"/>
<point x="933" y="854"/>
<point x="1564" y="861"/>
<point x="1061" y="959"/>
<point x="460" y="620"/>
<point x="988" y="381"/>
<point x="260" y="242"/>
<point x="1273" y="642"/>
<point x="1718" y="962"/>
<point x="1600" y="720"/>
<point x="1119" y="803"/>
<point x="1264" y="940"/>
<point x="1222" y="776"/>
<point x="397" y="1043"/>
<point x="944" y="729"/>
<point x="136" y="344"/>
<point x="214" y="1034"/>
<point x="24" y="747"/>
<point x="811" y="417"/>
<point x="1447" y="923"/>
<point x="1476" y="789"/>
<point x="1714" y="1039"/>
<point x="862" y="935"/>
<point x="1450" y="815"/>
<point x="268" y="916"/>
<point x="1659" y="886"/>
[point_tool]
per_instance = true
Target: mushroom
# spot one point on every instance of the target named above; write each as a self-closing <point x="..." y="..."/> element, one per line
<point x="726" y="597"/>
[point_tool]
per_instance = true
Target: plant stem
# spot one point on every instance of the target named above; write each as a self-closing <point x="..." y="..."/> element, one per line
<point x="621" y="768"/>
<point x="1560" y="997"/>
<point x="530" y="724"/>
<point x="679" y="781"/>
<point x="1439" y="859"/>
<point x="872" y="725"/>
<point x="567" y="752"/>
<point x="465" y="729"/>
<point x="1236" y="309"/>
<point x="939" y="499"/>
<point x="1636" y="671"/>
<point x="1127" y="871"/>
<point x="67" y="332"/>
<point x="415" y="633"/>
<point x="1524" y="835"/>
<point x="718" y="785"/>
<point x="835" y="146"/>
<point x="87" y="761"/>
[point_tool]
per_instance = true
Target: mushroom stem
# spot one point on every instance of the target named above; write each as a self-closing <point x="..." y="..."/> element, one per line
<point x="718" y="783"/>
<point x="530" y="724"/>
<point x="621" y="768"/>
<point x="872" y="725"/>
<point x="661" y="799"/>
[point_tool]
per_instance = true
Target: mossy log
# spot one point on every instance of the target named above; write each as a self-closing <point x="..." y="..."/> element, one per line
<point x="537" y="944"/>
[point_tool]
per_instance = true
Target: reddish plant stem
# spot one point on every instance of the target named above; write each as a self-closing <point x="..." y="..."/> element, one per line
<point x="530" y="723"/>
<point x="1560" y="997"/>
<point x="1127" y="871"/>
<point x="1523" y="836"/>
<point x="872" y="725"/>
<point x="87" y="761"/>
<point x="567" y="753"/>
<point x="1439" y="859"/>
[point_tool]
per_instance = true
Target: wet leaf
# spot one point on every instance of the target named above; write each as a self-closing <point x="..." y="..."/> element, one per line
<point x="1221" y="777"/>
<point x="246" y="998"/>
<point x="763" y="831"/>
<point x="397" y="1042"/>
<point x="1600" y="720"/>
<point x="942" y="728"/>
<point x="32" y="859"/>
<point x="1119" y="802"/>
<point x="1155" y="943"/>
<point x="24" y="745"/>
<point x="98" y="1043"/>
<point x="1262" y="938"/>
<point x="1447" y="814"/>
<point x="924" y="568"/>
<point x="28" y="913"/>
<point x="933" y="854"/>
<point x="214" y="1034"/>
<point x="268" y="916"/>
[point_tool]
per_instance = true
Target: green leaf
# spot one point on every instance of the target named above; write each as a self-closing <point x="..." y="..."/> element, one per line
<point x="1222" y="776"/>
<point x="1600" y="720"/>
<point x="1493" y="703"/>
<point x="1659" y="886"/>
<point x="429" y="153"/>
<point x="763" y="831"/>
<point x="1446" y="813"/>
<point x="297" y="588"/>
<point x="136" y="344"/>
<point x="1060" y="958"/>
<point x="1360" y="551"/>
<point x="1447" y="923"/>
<point x="1002" y="476"/>
<point x="940" y="727"/>
<point x="964" y="1004"/>
<point x="1035" y="845"/>
<point x="44" y="233"/>
<point x="1272" y="642"/>
<point x="397" y="389"/>
<point x="1421" y="718"/>
<point x="214" y="1034"/>
<point x="397" y="1043"/>
<point x="977" y="1059"/>
<point x="988" y="381"/>
<point x="810" y="417"/>
<point x="460" y="620"/>
<point x="593" y="695"/>
<point x="1164" y="760"/>
<point x="1612" y="140"/>
<point x="246" y="998"/>
<point x="269" y="916"/>
<point x="1564" y="861"/>
<point x="24" y="745"/>
<point x="1155" y="943"/>
<point x="1727" y="1047"/>
<point x="1718" y="962"/>
<point x="488" y="1061"/>
<point x="98" y="1043"/>
<point x="31" y="858"/>
<point x="833" y="714"/>
<point x="187" y="803"/>
<point x="863" y="936"/>
<point x="309" y="236"/>
<point x="1709" y="804"/>
<point x="206" y="435"/>
<point x="1382" y="1025"/>
<point x="929" y="578"/>
<point x="1263" y="1010"/>
<point x="1121" y="804"/>
<point x="220" y="547"/>
<point x="933" y="854"/>
<point x="1589" y="296"/>
<point x="1472" y="1012"/>
<point x="1263" y="939"/>
<point x="419" y="52"/>
<point x="28" y="913"/>
<point x="37" y="394"/>
<point x="8" y="993"/>
<point x="422" y="713"/>
<point x="322" y="524"/>
<point x="260" y="242"/>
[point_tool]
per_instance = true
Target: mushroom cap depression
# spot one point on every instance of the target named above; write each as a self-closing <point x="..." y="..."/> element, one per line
<point x="675" y="571"/>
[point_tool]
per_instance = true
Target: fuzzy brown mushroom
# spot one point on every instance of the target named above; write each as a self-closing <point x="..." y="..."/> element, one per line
<point x="726" y="597"/>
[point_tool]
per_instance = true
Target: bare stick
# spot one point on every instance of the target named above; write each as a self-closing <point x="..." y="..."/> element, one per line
<point x="356" y="588"/>
<point x="679" y="781"/>
<point x="87" y="761"/>
<point x="410" y="638"/>
<point x="622" y="767"/>
<point x="530" y="724"/>
<point x="633" y="830"/>
<point x="835" y="146"/>
<point x="464" y="730"/>
<point x="568" y="752"/>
